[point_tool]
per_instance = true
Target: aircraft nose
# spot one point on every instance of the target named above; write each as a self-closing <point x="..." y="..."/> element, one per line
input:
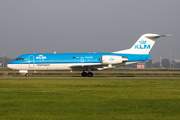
<point x="8" y="65"/>
<point x="11" y="66"/>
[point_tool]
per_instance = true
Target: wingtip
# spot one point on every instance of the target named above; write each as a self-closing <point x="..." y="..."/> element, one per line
<point x="165" y="35"/>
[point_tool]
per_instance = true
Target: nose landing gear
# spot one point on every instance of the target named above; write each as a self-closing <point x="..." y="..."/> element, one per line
<point x="89" y="74"/>
<point x="27" y="75"/>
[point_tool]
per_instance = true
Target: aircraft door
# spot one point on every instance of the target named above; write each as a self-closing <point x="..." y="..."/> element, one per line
<point x="31" y="61"/>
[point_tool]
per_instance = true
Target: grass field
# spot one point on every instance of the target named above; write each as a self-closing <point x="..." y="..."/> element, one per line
<point x="104" y="99"/>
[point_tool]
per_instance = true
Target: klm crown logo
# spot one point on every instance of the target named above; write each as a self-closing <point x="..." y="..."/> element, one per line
<point x="111" y="59"/>
<point x="142" y="42"/>
<point x="142" y="45"/>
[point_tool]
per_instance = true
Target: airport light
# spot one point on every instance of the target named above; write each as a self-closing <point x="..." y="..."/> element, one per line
<point x="170" y="59"/>
<point x="4" y="55"/>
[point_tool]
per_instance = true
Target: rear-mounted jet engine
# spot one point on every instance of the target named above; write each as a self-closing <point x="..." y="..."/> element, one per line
<point x="107" y="59"/>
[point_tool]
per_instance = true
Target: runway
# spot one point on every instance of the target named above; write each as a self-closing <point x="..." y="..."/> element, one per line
<point x="9" y="77"/>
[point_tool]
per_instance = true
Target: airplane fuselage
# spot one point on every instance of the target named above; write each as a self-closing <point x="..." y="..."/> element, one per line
<point x="86" y="61"/>
<point x="65" y="61"/>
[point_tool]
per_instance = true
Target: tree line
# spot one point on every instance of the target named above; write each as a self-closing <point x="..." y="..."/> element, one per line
<point x="165" y="63"/>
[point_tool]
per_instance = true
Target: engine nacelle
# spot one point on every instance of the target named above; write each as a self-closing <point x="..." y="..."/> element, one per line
<point x="109" y="59"/>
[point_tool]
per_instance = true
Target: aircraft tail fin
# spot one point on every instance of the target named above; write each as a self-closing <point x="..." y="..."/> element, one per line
<point x="143" y="45"/>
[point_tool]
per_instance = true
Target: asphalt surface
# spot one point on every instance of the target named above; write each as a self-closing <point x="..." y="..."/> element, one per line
<point x="9" y="77"/>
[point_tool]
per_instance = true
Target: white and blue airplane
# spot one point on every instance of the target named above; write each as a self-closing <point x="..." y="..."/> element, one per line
<point x="86" y="61"/>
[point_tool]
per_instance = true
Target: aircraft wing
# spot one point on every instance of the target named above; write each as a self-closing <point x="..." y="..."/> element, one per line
<point x="86" y="67"/>
<point x="92" y="67"/>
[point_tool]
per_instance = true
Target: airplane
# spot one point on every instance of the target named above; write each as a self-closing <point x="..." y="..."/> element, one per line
<point x="86" y="61"/>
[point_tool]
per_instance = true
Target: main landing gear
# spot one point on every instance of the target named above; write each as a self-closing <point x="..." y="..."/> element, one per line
<point x="89" y="74"/>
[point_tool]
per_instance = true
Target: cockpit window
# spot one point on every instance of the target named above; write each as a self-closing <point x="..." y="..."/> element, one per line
<point x="20" y="59"/>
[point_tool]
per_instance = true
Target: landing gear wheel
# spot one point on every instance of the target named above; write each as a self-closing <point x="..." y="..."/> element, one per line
<point x="90" y="74"/>
<point x="84" y="74"/>
<point x="27" y="75"/>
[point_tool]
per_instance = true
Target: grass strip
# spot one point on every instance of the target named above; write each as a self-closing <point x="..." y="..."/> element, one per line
<point x="90" y="99"/>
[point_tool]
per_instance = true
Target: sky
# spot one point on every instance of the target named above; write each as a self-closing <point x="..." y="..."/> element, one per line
<point x="80" y="26"/>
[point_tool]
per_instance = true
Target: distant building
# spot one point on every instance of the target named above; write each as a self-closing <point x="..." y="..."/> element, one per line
<point x="140" y="66"/>
<point x="177" y="61"/>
